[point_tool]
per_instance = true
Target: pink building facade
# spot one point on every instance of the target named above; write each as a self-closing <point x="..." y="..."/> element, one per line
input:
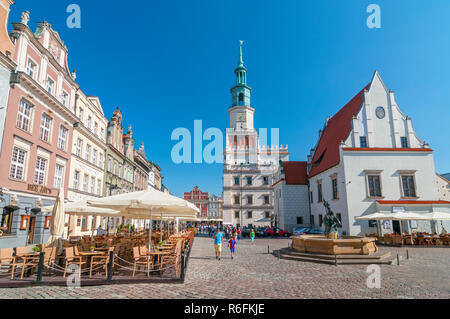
<point x="37" y="136"/>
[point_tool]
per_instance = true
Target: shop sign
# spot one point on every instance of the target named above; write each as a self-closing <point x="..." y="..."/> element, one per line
<point x="39" y="189"/>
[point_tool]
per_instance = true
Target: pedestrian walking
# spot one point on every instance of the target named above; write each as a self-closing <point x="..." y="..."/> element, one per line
<point x="218" y="244"/>
<point x="239" y="233"/>
<point x="232" y="244"/>
<point x="252" y="236"/>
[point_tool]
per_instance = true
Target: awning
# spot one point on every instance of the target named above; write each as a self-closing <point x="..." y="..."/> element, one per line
<point x="438" y="216"/>
<point x="375" y="216"/>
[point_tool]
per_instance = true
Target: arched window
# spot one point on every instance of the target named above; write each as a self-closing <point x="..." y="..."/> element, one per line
<point x="235" y="141"/>
<point x="247" y="141"/>
<point x="241" y="98"/>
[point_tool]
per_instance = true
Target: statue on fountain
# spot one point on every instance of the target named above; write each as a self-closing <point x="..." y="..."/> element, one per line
<point x="331" y="222"/>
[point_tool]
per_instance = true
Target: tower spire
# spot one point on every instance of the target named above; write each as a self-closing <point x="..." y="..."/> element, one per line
<point x="241" y="91"/>
<point x="241" y="60"/>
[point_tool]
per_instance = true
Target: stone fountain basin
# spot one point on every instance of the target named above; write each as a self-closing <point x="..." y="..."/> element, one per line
<point x="347" y="245"/>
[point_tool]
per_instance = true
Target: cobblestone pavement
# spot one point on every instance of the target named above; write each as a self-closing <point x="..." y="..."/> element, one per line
<point x="256" y="274"/>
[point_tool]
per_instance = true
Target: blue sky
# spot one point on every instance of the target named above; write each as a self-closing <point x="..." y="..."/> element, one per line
<point x="168" y="63"/>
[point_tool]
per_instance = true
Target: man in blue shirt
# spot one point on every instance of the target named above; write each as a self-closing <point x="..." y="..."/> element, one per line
<point x="218" y="243"/>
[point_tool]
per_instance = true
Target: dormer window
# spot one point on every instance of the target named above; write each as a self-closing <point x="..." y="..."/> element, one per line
<point x="319" y="160"/>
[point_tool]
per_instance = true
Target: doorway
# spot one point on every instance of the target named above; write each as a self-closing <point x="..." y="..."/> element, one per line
<point x="396" y="227"/>
<point x="31" y="229"/>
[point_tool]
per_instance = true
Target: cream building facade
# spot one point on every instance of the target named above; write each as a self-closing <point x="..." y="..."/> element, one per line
<point x="87" y="168"/>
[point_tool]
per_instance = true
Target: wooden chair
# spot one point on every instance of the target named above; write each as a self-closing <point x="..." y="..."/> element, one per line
<point x="141" y="260"/>
<point x="408" y="240"/>
<point x="143" y="250"/>
<point x="387" y="239"/>
<point x="71" y="259"/>
<point x="31" y="262"/>
<point x="49" y="257"/>
<point x="7" y="259"/>
<point x="101" y="260"/>
<point x="397" y="240"/>
<point x="173" y="258"/>
<point x="421" y="241"/>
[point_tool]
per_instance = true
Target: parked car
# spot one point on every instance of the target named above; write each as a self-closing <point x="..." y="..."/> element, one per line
<point x="315" y="231"/>
<point x="281" y="233"/>
<point x="245" y="232"/>
<point x="260" y="232"/>
<point x="300" y="231"/>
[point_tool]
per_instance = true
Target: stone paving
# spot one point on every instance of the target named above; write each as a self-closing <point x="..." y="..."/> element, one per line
<point x="255" y="274"/>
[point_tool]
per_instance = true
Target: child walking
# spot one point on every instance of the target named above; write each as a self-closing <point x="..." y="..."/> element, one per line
<point x="232" y="245"/>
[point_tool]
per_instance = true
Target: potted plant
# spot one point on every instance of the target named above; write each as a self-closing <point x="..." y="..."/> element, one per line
<point x="36" y="249"/>
<point x="92" y="248"/>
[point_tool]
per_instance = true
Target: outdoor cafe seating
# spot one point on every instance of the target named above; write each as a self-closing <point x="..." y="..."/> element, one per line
<point x="91" y="255"/>
<point x="415" y="239"/>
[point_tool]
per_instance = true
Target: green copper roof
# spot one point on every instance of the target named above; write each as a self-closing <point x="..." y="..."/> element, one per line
<point x="241" y="61"/>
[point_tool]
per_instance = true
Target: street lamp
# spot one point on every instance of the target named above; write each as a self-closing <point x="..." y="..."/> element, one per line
<point x="111" y="188"/>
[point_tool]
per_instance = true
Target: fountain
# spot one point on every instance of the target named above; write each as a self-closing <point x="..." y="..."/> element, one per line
<point x="329" y="244"/>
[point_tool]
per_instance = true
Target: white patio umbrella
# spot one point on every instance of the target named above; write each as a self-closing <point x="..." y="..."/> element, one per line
<point x="146" y="200"/>
<point x="147" y="204"/>
<point x="82" y="209"/>
<point x="57" y="222"/>
<point x="408" y="216"/>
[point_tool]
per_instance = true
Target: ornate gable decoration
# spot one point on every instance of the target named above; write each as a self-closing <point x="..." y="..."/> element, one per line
<point x="54" y="50"/>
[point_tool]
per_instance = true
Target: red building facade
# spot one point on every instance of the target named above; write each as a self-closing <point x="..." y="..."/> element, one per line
<point x="198" y="198"/>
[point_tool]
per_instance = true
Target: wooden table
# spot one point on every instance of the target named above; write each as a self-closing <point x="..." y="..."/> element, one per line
<point x="164" y="247"/>
<point x="90" y="254"/>
<point x="34" y="254"/>
<point x="158" y="255"/>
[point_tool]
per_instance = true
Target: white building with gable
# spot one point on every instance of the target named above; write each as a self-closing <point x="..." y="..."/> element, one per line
<point x="369" y="159"/>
